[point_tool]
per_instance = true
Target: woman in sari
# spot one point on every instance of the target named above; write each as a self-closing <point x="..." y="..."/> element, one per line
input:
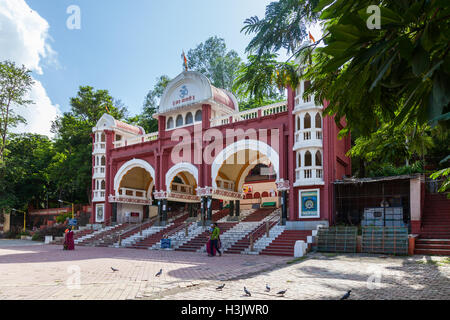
<point x="69" y="243"/>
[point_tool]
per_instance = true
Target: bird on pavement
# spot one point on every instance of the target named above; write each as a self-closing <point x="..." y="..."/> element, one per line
<point x="220" y="287"/>
<point x="267" y="288"/>
<point x="114" y="270"/>
<point x="347" y="295"/>
<point x="282" y="292"/>
<point x="159" y="273"/>
<point x="247" y="293"/>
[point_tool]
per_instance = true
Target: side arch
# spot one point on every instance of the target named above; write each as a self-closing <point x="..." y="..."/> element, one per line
<point x="135" y="163"/>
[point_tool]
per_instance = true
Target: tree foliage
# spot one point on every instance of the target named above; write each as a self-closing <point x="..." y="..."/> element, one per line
<point x="15" y="83"/>
<point x="26" y="177"/>
<point x="212" y="59"/>
<point x="72" y="173"/>
<point x="151" y="103"/>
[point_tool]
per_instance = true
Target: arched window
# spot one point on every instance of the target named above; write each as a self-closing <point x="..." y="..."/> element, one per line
<point x="307" y="121"/>
<point x="103" y="161"/>
<point x="308" y="159"/>
<point x="198" y="115"/>
<point x="318" y="120"/>
<point x="98" y="185"/>
<point x="103" y="137"/>
<point x="248" y="196"/>
<point x="298" y="123"/>
<point x="299" y="160"/>
<point x="318" y="158"/>
<point x="257" y="195"/>
<point x="179" y="121"/>
<point x="189" y="118"/>
<point x="265" y="194"/>
<point x="170" y="123"/>
<point x="103" y="185"/>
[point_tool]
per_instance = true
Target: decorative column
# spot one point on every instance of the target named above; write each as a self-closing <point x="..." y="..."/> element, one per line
<point x="206" y="204"/>
<point x="237" y="207"/>
<point x="283" y="187"/>
<point x="161" y="197"/>
<point x="209" y="209"/>
<point x="231" y="208"/>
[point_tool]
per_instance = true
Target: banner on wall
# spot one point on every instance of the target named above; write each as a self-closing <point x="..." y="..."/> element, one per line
<point x="309" y="204"/>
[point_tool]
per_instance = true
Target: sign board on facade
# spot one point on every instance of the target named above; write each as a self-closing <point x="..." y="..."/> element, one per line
<point x="309" y="203"/>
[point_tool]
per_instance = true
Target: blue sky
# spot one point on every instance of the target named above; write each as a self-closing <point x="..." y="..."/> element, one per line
<point x="124" y="45"/>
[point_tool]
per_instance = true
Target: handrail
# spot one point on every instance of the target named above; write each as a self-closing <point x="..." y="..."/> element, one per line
<point x="177" y="229"/>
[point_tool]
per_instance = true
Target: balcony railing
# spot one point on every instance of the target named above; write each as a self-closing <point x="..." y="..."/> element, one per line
<point x="225" y="184"/>
<point x="133" y="193"/>
<point x="99" y="195"/>
<point x="137" y="140"/>
<point x="308" y="173"/>
<point x="99" y="170"/>
<point x="182" y="188"/>
<point x="250" y="114"/>
<point x="99" y="146"/>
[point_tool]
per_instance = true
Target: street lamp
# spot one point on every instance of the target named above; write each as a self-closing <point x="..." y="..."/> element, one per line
<point x="24" y="217"/>
<point x="62" y="201"/>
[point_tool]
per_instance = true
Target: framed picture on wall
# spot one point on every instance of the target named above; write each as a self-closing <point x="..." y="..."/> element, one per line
<point x="309" y="203"/>
<point x="99" y="213"/>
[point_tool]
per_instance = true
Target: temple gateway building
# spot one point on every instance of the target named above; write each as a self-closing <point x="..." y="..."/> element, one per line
<point x="209" y="156"/>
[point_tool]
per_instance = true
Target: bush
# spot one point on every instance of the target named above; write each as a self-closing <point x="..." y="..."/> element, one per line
<point x="63" y="217"/>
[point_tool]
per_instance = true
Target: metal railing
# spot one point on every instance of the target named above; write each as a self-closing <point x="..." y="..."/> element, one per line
<point x="267" y="225"/>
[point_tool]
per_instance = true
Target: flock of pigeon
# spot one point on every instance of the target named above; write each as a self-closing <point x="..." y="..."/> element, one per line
<point x="247" y="293"/>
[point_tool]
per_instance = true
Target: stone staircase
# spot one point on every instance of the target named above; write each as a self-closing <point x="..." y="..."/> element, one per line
<point x="283" y="245"/>
<point x="258" y="215"/>
<point x="243" y="244"/>
<point x="234" y="234"/>
<point x="76" y="236"/>
<point x="103" y="237"/>
<point x="155" y="237"/>
<point x="264" y="241"/>
<point x="200" y="240"/>
<point x="434" y="238"/>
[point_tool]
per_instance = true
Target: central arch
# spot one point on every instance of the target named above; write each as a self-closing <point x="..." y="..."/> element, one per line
<point x="128" y="166"/>
<point x="259" y="148"/>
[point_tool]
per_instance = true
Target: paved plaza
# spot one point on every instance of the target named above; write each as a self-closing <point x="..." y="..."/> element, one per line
<point x="47" y="272"/>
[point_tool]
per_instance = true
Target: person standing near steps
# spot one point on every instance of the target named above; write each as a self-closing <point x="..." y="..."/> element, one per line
<point x="215" y="236"/>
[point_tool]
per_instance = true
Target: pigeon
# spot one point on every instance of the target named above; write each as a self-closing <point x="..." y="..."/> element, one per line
<point x="220" y="287"/>
<point x="347" y="295"/>
<point x="282" y="292"/>
<point x="159" y="273"/>
<point x="267" y="288"/>
<point x="247" y="293"/>
<point x="114" y="270"/>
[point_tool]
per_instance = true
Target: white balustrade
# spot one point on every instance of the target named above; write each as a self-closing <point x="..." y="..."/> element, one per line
<point x="309" y="173"/>
<point x="181" y="188"/>
<point x="136" y="140"/>
<point x="133" y="193"/>
<point x="250" y="114"/>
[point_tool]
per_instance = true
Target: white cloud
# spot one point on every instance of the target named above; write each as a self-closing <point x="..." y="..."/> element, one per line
<point x="24" y="39"/>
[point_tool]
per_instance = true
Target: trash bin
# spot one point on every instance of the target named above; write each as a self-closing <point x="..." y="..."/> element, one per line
<point x="165" y="243"/>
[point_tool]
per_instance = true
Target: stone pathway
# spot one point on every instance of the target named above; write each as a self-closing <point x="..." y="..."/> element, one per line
<point x="47" y="272"/>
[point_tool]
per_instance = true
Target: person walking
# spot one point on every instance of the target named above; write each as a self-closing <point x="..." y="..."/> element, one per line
<point x="215" y="237"/>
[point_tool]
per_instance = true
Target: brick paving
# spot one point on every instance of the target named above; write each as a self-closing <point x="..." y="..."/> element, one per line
<point x="46" y="272"/>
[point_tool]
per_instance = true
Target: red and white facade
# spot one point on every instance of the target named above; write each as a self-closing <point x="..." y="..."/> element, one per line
<point x="205" y="148"/>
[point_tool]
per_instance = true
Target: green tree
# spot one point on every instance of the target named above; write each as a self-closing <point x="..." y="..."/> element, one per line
<point x="26" y="178"/>
<point x="15" y="83"/>
<point x="72" y="172"/>
<point x="212" y="59"/>
<point x="397" y="73"/>
<point x="145" y="119"/>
